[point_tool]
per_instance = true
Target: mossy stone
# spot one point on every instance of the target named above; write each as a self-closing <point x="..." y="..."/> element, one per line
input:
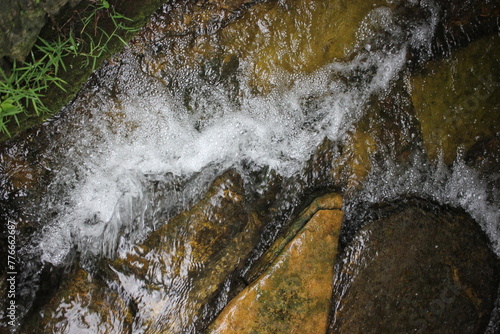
<point x="457" y="100"/>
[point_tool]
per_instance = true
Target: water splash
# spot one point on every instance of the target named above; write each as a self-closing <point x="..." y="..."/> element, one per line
<point x="458" y="186"/>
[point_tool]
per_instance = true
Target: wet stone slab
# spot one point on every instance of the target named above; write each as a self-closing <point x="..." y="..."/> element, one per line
<point x="293" y="294"/>
<point x="171" y="282"/>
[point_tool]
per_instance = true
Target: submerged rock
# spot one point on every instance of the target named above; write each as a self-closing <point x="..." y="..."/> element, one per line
<point x="297" y="36"/>
<point x="275" y="41"/>
<point x="293" y="295"/>
<point x="420" y="269"/>
<point x="456" y="100"/>
<point x="463" y="22"/>
<point x="172" y="281"/>
<point x="84" y="304"/>
<point x="485" y="156"/>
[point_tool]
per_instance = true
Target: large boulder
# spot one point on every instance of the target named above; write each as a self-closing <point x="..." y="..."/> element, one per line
<point x="421" y="269"/>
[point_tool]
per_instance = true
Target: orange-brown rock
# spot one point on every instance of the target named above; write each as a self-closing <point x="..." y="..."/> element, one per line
<point x="293" y="295"/>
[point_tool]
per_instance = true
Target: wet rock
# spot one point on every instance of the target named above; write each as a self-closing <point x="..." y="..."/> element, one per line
<point x="462" y="22"/>
<point x="484" y="157"/>
<point x="293" y="295"/>
<point x="173" y="280"/>
<point x="271" y="38"/>
<point x="419" y="268"/>
<point x="84" y="304"/>
<point x="193" y="256"/>
<point x="456" y="101"/>
<point x="300" y="36"/>
<point x="388" y="128"/>
<point x="330" y="201"/>
<point x="21" y="22"/>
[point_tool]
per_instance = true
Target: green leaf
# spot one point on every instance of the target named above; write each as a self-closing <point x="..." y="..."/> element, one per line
<point x="8" y="109"/>
<point x="104" y="4"/>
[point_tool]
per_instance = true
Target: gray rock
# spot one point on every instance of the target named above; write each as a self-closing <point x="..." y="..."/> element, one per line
<point x="21" y="22"/>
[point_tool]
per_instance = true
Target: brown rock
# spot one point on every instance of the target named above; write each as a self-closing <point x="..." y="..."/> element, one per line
<point x="417" y="270"/>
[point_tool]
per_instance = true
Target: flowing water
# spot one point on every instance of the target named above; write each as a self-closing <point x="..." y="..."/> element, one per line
<point x="139" y="143"/>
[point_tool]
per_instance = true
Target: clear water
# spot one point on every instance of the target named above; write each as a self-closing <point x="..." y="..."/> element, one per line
<point x="127" y="131"/>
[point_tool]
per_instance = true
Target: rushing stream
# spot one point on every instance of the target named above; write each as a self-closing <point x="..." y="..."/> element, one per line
<point x="147" y="136"/>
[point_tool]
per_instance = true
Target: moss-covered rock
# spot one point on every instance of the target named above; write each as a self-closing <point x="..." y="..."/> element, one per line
<point x="293" y="295"/>
<point x="420" y="268"/>
<point x="456" y="100"/>
<point x="21" y="22"/>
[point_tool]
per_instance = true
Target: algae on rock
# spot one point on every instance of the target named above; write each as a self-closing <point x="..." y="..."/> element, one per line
<point x="293" y="295"/>
<point x="456" y="100"/>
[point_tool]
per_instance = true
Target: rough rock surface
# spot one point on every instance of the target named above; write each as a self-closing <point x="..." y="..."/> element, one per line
<point x="21" y="22"/>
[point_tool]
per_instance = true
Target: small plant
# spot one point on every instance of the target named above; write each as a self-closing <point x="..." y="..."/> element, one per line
<point x="22" y="87"/>
<point x="94" y="39"/>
